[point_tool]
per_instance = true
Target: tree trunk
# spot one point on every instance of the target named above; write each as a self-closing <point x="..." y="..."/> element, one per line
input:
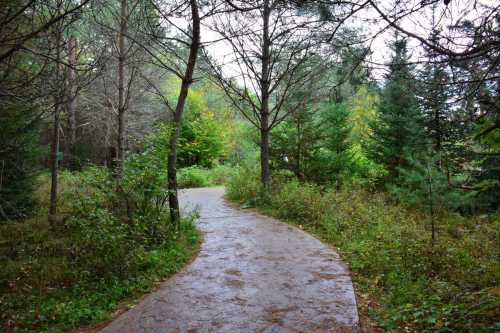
<point x="54" y="163"/>
<point x="187" y="80"/>
<point x="264" y="112"/>
<point x="430" y="199"/>
<point x="71" y="90"/>
<point x="108" y="122"/>
<point x="121" y="86"/>
<point x="264" y="158"/>
<point x="298" y="165"/>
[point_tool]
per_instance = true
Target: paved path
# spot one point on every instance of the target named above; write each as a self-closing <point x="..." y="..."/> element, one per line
<point x="253" y="274"/>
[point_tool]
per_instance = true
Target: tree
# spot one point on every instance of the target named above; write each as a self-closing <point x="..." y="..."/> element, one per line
<point x="171" y="56"/>
<point x="269" y="51"/>
<point x="58" y="93"/>
<point x="33" y="66"/>
<point x="397" y="131"/>
<point x="336" y="131"/>
<point x="295" y="143"/>
<point x="314" y="143"/>
<point x="124" y="15"/>
<point x="37" y="17"/>
<point x="72" y="91"/>
<point x="422" y="182"/>
<point x="20" y="153"/>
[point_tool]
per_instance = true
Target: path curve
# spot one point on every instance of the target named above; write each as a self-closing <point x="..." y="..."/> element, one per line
<point x="253" y="274"/>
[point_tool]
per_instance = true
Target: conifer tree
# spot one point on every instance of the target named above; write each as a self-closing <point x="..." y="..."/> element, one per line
<point x="442" y="128"/>
<point x="337" y="157"/>
<point x="397" y="131"/>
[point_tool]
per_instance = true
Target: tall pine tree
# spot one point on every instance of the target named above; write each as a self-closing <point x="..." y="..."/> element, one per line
<point x="397" y="131"/>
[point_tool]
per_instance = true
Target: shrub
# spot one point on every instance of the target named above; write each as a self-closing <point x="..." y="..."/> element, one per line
<point x="298" y="202"/>
<point x="193" y="176"/>
<point x="221" y="173"/>
<point x="76" y="272"/>
<point x="243" y="185"/>
<point x="143" y="190"/>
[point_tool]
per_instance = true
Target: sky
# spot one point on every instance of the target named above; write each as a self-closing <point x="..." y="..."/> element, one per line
<point x="370" y="23"/>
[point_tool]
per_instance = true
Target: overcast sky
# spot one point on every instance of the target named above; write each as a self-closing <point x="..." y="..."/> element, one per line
<point x="371" y="24"/>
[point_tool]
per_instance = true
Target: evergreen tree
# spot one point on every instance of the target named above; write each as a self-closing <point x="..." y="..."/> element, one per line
<point x="295" y="143"/>
<point x="442" y="126"/>
<point x="397" y="131"/>
<point x="336" y="155"/>
<point x="424" y="183"/>
<point x="434" y="95"/>
<point x="19" y="156"/>
<point x="21" y="107"/>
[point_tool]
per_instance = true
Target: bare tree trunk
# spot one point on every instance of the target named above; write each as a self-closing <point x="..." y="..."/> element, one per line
<point x="264" y="112"/>
<point x="264" y="158"/>
<point x="108" y="123"/>
<point x="121" y="86"/>
<point x="54" y="163"/>
<point x="187" y="80"/>
<point x="298" y="172"/>
<point x="70" y="145"/>
<point x="430" y="199"/>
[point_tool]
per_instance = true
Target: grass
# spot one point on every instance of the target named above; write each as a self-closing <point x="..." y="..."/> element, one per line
<point x="46" y="288"/>
<point x="402" y="280"/>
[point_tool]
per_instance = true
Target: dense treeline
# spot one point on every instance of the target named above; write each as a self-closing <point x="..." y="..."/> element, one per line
<point x="107" y="107"/>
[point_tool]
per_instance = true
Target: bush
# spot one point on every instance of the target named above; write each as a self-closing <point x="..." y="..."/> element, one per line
<point x="243" y="186"/>
<point x="143" y="191"/>
<point x="221" y="173"/>
<point x="57" y="280"/>
<point x="298" y="202"/>
<point x="114" y="240"/>
<point x="193" y="176"/>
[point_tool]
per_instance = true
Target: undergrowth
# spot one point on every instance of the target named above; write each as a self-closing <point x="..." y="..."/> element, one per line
<point x="96" y="258"/>
<point x="195" y="176"/>
<point x="448" y="286"/>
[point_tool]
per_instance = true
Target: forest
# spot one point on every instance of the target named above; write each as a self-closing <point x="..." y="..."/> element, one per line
<point x="373" y="125"/>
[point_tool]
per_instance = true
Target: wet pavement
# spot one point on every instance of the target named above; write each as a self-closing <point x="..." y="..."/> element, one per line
<point x="253" y="274"/>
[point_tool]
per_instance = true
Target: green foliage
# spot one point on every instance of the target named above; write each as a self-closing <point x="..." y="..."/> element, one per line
<point x="244" y="143"/>
<point x="143" y="188"/>
<point x="487" y="174"/>
<point x="295" y="143"/>
<point x="450" y="287"/>
<point x="202" y="136"/>
<point x="221" y="173"/>
<point x="424" y="183"/>
<point x="314" y="144"/>
<point x="193" y="176"/>
<point x="397" y="131"/>
<point x="207" y="127"/>
<point x="363" y="108"/>
<point x="109" y="245"/>
<point x="19" y="155"/>
<point x="244" y="185"/>
<point x="335" y="152"/>
<point x="44" y="288"/>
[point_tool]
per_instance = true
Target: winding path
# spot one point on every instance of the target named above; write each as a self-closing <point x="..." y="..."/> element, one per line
<point x="253" y="274"/>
